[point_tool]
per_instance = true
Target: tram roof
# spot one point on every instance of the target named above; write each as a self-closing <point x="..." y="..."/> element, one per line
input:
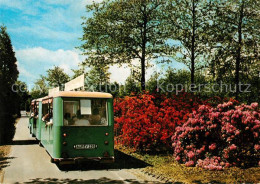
<point x="82" y="94"/>
<point x="38" y="100"/>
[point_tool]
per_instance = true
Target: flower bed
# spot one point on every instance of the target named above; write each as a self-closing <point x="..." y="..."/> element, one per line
<point x="215" y="138"/>
<point x="209" y="136"/>
<point x="147" y="122"/>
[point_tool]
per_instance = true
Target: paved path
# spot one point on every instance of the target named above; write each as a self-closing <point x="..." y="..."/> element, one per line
<point x="30" y="163"/>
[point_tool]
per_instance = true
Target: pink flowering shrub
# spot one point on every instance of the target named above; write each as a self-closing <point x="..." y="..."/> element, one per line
<point x="215" y="138"/>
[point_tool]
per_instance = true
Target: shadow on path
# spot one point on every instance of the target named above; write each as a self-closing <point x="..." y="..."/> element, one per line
<point x="122" y="161"/>
<point x="103" y="180"/>
<point x="23" y="142"/>
<point x="4" y="162"/>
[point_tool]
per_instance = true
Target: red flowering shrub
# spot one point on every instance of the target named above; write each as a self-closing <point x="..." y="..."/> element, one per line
<point x="175" y="111"/>
<point x="147" y="122"/>
<point x="135" y="122"/>
<point x="214" y="138"/>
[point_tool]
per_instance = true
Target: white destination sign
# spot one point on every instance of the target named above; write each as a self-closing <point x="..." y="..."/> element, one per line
<point x="75" y="83"/>
<point x="53" y="90"/>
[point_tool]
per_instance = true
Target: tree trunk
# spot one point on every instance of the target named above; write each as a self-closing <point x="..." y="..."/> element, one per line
<point x="193" y="43"/>
<point x="143" y="73"/>
<point x="238" y="54"/>
<point x="144" y="40"/>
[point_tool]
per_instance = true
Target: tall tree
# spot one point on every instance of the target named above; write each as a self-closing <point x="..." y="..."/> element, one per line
<point x="79" y="71"/>
<point x="122" y="30"/>
<point x="98" y="76"/>
<point x="237" y="32"/>
<point x="188" y="25"/>
<point x="131" y="86"/>
<point x="8" y="76"/>
<point x="95" y="76"/>
<point x="40" y="88"/>
<point x="56" y="77"/>
<point x="8" y="66"/>
<point x="23" y="93"/>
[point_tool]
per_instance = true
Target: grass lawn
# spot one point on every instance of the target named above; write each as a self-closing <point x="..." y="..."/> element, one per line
<point x="166" y="167"/>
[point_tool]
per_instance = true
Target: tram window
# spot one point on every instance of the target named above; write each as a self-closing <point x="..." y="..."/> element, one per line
<point x="45" y="112"/>
<point x="44" y="109"/>
<point x="85" y="112"/>
<point x="37" y="110"/>
<point x="32" y="111"/>
<point x="71" y="109"/>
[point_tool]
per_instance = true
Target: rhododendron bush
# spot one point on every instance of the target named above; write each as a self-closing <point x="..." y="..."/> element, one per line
<point x="147" y="122"/>
<point x="217" y="137"/>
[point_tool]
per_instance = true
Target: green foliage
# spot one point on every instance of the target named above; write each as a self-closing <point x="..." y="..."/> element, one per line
<point x="56" y="77"/>
<point x="9" y="100"/>
<point x="23" y="93"/>
<point x="40" y="88"/>
<point x="8" y="67"/>
<point x="97" y="77"/>
<point x="130" y="87"/>
<point x="77" y="72"/>
<point x="188" y="25"/>
<point x="235" y="31"/>
<point x="123" y="30"/>
<point x="152" y="83"/>
<point x="217" y="40"/>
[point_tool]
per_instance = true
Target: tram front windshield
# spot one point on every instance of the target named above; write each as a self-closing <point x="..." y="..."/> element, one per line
<point x="85" y="112"/>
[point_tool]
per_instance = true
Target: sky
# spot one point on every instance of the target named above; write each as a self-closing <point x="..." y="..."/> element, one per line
<point x="45" y="33"/>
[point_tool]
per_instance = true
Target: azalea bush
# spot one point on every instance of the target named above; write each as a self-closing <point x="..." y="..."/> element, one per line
<point x="147" y="122"/>
<point x="217" y="137"/>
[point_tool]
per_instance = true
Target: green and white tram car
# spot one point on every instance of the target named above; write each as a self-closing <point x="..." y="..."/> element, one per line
<point x="74" y="126"/>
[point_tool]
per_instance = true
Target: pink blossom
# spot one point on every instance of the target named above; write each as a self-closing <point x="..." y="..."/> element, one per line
<point x="207" y="134"/>
<point x="232" y="147"/>
<point x="213" y="146"/>
<point x="257" y="147"/>
<point x="254" y="105"/>
<point x="226" y="156"/>
<point x="228" y="139"/>
<point x="191" y="154"/>
<point x="177" y="158"/>
<point x="227" y="165"/>
<point x="222" y="163"/>
<point x="230" y="125"/>
<point x="189" y="163"/>
<point x="219" y="106"/>
<point x="237" y="132"/>
<point x="229" y="103"/>
<point x="203" y="148"/>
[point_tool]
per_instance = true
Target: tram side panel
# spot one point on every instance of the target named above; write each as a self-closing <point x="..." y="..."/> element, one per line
<point x="55" y="134"/>
<point x="45" y="134"/>
<point x="47" y="131"/>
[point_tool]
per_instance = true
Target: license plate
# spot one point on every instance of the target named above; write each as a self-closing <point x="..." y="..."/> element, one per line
<point x="85" y="146"/>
